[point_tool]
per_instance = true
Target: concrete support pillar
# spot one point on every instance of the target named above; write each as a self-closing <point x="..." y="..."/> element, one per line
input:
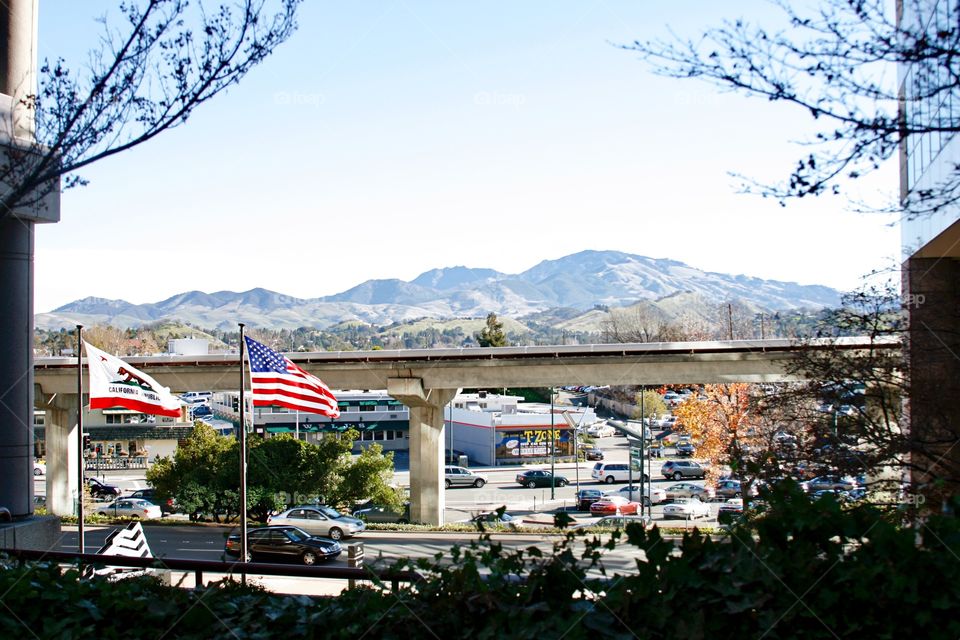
<point x="426" y="446"/>
<point x="16" y="366"/>
<point x="932" y="297"/>
<point x="62" y="462"/>
<point x="18" y="71"/>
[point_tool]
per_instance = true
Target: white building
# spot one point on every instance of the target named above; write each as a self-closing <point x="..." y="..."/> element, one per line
<point x="495" y="430"/>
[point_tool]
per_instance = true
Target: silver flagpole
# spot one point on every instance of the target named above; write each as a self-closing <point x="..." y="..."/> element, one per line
<point x="243" y="460"/>
<point x="80" y="471"/>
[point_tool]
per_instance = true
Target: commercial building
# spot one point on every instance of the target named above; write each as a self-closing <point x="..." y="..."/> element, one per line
<point x="495" y="430"/>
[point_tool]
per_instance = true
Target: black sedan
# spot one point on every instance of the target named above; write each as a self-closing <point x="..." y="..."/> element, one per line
<point x="537" y="478"/>
<point x="586" y="497"/>
<point x="283" y="544"/>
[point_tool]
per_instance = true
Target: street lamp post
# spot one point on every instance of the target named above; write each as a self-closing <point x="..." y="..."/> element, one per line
<point x="553" y="453"/>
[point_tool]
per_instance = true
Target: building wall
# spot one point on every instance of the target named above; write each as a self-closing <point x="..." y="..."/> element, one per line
<point x="931" y="271"/>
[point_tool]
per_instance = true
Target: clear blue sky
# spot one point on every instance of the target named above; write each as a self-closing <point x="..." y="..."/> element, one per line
<point x="391" y="137"/>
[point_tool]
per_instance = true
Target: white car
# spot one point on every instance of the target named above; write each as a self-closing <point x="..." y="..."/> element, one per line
<point x="687" y="508"/>
<point x="632" y="493"/>
<point x="319" y="520"/>
<point x="134" y="508"/>
<point x="601" y="430"/>
<point x="39" y="469"/>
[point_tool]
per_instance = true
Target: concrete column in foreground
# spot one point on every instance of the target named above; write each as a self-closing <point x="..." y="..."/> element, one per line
<point x="18" y="54"/>
<point x="16" y="366"/>
<point x="426" y="446"/>
<point x="62" y="444"/>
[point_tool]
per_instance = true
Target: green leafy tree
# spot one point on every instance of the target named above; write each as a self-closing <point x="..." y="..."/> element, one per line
<point x="202" y="476"/>
<point x="652" y="403"/>
<point x="492" y="335"/>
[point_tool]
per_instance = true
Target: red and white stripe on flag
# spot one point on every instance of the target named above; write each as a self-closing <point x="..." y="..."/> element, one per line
<point x="276" y="381"/>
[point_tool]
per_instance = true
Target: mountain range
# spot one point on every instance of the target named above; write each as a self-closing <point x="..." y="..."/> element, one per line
<point x="580" y="281"/>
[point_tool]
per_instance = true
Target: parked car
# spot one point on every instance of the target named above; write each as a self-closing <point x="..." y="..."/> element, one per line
<point x="492" y="517"/>
<point x="150" y="495"/>
<point x="687" y="508"/>
<point x="731" y="488"/>
<point x="730" y="511"/>
<point x="601" y="430"/>
<point x="839" y="496"/>
<point x="650" y="496"/>
<point x="101" y="491"/>
<point x="677" y="469"/>
<point x="382" y="514"/>
<point x="586" y="497"/>
<point x="611" y="472"/>
<point x="591" y="453"/>
<point x="462" y="477"/>
<point x="686" y="449"/>
<point x="540" y="478"/>
<point x="283" y="544"/>
<point x="200" y="410"/>
<point x="39" y="468"/>
<point x="613" y="522"/>
<point x="319" y="520"/>
<point x="683" y="490"/>
<point x="834" y="482"/>
<point x="133" y="508"/>
<point x="614" y="505"/>
<point x="672" y="398"/>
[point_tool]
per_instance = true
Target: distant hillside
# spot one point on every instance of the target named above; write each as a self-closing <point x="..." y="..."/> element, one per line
<point x="556" y="291"/>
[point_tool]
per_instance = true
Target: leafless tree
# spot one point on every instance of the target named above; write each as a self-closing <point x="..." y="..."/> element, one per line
<point x="837" y="60"/>
<point x="147" y="76"/>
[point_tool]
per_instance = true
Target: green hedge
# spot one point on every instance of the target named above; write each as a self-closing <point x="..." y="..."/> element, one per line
<point x="804" y="570"/>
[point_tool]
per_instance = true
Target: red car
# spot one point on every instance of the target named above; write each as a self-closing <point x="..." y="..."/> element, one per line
<point x="613" y="505"/>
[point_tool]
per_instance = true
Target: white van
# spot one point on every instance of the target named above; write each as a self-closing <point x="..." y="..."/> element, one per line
<point x="196" y="397"/>
<point x="611" y="472"/>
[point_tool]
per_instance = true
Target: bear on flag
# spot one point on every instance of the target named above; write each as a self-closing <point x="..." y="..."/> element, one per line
<point x="114" y="383"/>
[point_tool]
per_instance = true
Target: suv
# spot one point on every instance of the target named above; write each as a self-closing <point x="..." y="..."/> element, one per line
<point x="677" y="469"/>
<point x="685" y="448"/>
<point x="611" y="472"/>
<point x="460" y="477"/>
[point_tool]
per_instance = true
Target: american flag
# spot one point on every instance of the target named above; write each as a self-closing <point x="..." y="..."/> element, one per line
<point x="276" y="381"/>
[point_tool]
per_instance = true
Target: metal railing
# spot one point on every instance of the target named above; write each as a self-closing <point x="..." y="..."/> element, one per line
<point x="114" y="463"/>
<point x="198" y="567"/>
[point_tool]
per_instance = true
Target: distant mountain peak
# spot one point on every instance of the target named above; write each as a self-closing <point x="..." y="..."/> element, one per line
<point x="578" y="281"/>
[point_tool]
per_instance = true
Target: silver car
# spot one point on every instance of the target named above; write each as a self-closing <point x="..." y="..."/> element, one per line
<point x="461" y="477"/>
<point x="683" y="490"/>
<point x="319" y="520"/>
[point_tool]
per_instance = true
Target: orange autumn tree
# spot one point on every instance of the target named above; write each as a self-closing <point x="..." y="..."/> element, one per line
<point x="721" y="424"/>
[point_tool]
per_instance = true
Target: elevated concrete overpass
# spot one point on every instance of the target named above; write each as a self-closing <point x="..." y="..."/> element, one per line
<point x="427" y="379"/>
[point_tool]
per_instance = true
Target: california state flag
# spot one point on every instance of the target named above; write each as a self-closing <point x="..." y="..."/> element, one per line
<point x="114" y="383"/>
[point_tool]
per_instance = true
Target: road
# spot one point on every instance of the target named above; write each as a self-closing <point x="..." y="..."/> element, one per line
<point x="380" y="547"/>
